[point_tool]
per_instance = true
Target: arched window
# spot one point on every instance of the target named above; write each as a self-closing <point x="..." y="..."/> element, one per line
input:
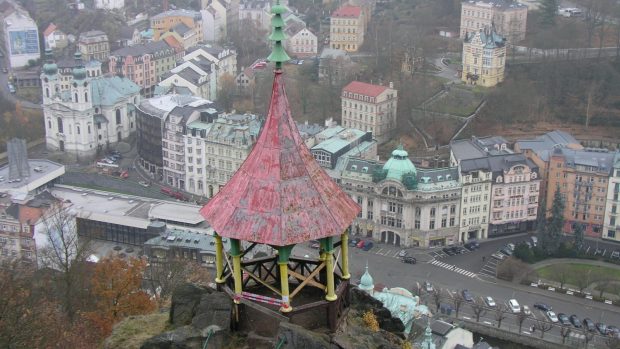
<point x="78" y="129"/>
<point x="47" y="92"/>
<point x="85" y="96"/>
<point x="76" y="97"/>
<point x="60" y="128"/>
<point x="118" y="116"/>
<point x="96" y="110"/>
<point x="49" y="123"/>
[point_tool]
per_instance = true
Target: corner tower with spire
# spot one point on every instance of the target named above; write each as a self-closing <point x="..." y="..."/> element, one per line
<point x="281" y="197"/>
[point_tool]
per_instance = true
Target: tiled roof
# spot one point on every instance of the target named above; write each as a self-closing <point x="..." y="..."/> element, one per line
<point x="172" y="41"/>
<point x="348" y="11"/>
<point x="50" y="29"/>
<point x="364" y="88"/>
<point x="139" y="50"/>
<point x="109" y="90"/>
<point x="280" y="195"/>
<point x="181" y="28"/>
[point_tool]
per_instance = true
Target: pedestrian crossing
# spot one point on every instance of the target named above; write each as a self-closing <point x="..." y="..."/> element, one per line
<point x="454" y="268"/>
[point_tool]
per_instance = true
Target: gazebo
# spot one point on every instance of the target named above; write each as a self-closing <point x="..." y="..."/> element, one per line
<point x="281" y="197"/>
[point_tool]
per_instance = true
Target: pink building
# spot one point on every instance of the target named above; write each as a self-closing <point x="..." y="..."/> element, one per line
<point x="514" y="194"/>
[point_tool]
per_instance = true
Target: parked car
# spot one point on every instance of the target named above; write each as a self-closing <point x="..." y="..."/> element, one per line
<point x="507" y="251"/>
<point x="428" y="286"/>
<point x="489" y="301"/>
<point x="612" y="330"/>
<point x="361" y="244"/>
<point x="368" y="245"/>
<point x="552" y="317"/>
<point x="615" y="254"/>
<point x="467" y="296"/>
<point x="354" y="242"/>
<point x="510" y="246"/>
<point x="574" y="319"/>
<point x="602" y="328"/>
<point x="589" y="324"/>
<point x="472" y="245"/>
<point x="526" y="310"/>
<point x="144" y="184"/>
<point x="542" y="306"/>
<point x="514" y="306"/>
<point x="459" y="250"/>
<point x="564" y="320"/>
<point x="498" y="255"/>
<point x="448" y="251"/>
<point x="402" y="253"/>
<point x="409" y="260"/>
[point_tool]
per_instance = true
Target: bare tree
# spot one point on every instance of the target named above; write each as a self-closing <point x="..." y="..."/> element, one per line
<point x="457" y="301"/>
<point x="583" y="281"/>
<point x="164" y="276"/>
<point x="65" y="252"/>
<point x="543" y="326"/>
<point x="520" y="318"/>
<point x="587" y="336"/>
<point x="479" y="309"/>
<point x="612" y="342"/>
<point x="562" y="273"/>
<point x="500" y="314"/>
<point x="565" y="331"/>
<point x="437" y="296"/>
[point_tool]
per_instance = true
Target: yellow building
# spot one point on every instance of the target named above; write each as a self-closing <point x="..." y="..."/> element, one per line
<point x="184" y="22"/>
<point x="347" y="28"/>
<point x="484" y="58"/>
<point x="509" y="18"/>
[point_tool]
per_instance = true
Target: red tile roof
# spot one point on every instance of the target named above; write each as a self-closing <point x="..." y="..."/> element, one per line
<point x="364" y="88"/>
<point x="173" y="42"/>
<point x="50" y="29"/>
<point x="348" y="11"/>
<point x="280" y="195"/>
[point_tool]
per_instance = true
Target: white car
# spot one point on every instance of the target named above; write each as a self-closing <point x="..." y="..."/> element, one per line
<point x="402" y="253"/>
<point x="552" y="317"/>
<point x="144" y="184"/>
<point x="514" y="306"/>
<point x="428" y="286"/>
<point x="526" y="310"/>
<point x="489" y="301"/>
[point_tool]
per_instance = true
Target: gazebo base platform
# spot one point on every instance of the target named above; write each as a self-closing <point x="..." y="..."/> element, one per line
<point x="309" y="310"/>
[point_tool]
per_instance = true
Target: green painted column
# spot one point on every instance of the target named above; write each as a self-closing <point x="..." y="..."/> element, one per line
<point x="329" y="265"/>
<point x="235" y="251"/>
<point x="344" y="250"/>
<point x="219" y="259"/>
<point x="283" y="255"/>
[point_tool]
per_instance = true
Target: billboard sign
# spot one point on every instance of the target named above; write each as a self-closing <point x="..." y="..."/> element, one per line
<point x="24" y="42"/>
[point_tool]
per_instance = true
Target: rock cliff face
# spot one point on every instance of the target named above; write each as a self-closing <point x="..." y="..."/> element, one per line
<point x="199" y="313"/>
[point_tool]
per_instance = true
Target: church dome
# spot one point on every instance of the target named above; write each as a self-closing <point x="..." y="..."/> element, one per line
<point x="399" y="164"/>
<point x="79" y="72"/>
<point x="49" y="68"/>
<point x="366" y="282"/>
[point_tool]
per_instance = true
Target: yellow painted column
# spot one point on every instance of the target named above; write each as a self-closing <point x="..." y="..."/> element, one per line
<point x="283" y="254"/>
<point x="219" y="259"/>
<point x="344" y="250"/>
<point x="235" y="251"/>
<point x="329" y="266"/>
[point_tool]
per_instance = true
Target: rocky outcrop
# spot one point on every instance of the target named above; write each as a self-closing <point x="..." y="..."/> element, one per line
<point x="295" y="336"/>
<point x="185" y="300"/>
<point x="362" y="302"/>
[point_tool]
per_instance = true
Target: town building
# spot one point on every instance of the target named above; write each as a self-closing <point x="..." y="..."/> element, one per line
<point x="86" y="112"/>
<point x="484" y="58"/>
<point x="180" y="20"/>
<point x="368" y="8"/>
<point x="21" y="38"/>
<point x="127" y="36"/>
<point x="347" y="28"/>
<point x="177" y="244"/>
<point x="197" y="76"/>
<point x="507" y="16"/>
<point x="335" y="67"/>
<point x="474" y="148"/>
<point x="110" y="4"/>
<point x="476" y="181"/>
<point x="143" y="64"/>
<point x="582" y="177"/>
<point x="301" y="42"/>
<point x="257" y="12"/>
<point x="214" y="21"/>
<point x="402" y="205"/>
<point x="187" y="37"/>
<point x="369" y="107"/>
<point x="54" y="37"/>
<point x="246" y="79"/>
<point x="157" y="115"/>
<point x="225" y="58"/>
<point x="540" y="149"/>
<point x="215" y="147"/>
<point x="17" y="225"/>
<point x="611" y="225"/>
<point x="336" y="141"/>
<point x="94" y="45"/>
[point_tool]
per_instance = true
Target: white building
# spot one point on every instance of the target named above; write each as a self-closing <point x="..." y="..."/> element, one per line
<point x="215" y="18"/>
<point x="258" y="12"/>
<point x="369" y="107"/>
<point x="224" y="58"/>
<point x="301" y="42"/>
<point x="215" y="149"/>
<point x="54" y="37"/>
<point x="86" y="112"/>
<point x="199" y="79"/>
<point x="611" y="227"/>
<point x="110" y="4"/>
<point x="476" y="180"/>
<point x="22" y="38"/>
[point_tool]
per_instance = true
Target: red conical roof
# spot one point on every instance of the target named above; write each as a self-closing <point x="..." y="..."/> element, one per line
<point x="280" y="195"/>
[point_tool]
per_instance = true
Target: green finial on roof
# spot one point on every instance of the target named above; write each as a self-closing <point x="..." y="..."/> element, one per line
<point x="278" y="54"/>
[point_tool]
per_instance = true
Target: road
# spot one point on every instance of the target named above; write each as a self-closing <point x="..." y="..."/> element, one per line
<point x="387" y="269"/>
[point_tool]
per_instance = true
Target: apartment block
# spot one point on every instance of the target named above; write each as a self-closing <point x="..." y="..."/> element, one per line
<point x="508" y="17"/>
<point x="611" y="226"/>
<point x="347" y="26"/>
<point x="369" y="107"/>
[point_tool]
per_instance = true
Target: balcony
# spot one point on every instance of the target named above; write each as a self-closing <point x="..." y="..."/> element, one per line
<point x="391" y="214"/>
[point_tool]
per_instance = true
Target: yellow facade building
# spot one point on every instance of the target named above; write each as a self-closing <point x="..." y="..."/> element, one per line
<point x="347" y="28"/>
<point x="484" y="58"/>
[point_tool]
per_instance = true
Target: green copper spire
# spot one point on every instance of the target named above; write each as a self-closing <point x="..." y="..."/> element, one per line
<point x="278" y="54"/>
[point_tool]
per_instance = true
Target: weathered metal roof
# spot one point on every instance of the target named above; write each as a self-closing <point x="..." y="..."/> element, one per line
<point x="280" y="195"/>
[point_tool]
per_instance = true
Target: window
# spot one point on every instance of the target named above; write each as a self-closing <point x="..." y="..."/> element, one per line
<point x="433" y="212"/>
<point x="431" y="225"/>
<point x="118" y="116"/>
<point x="453" y="209"/>
<point x="443" y="222"/>
<point x="417" y="224"/>
<point x="60" y="126"/>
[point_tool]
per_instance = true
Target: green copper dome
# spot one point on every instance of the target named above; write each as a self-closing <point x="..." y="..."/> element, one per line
<point x="366" y="282"/>
<point x="49" y="68"/>
<point x="79" y="72"/>
<point x="399" y="165"/>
